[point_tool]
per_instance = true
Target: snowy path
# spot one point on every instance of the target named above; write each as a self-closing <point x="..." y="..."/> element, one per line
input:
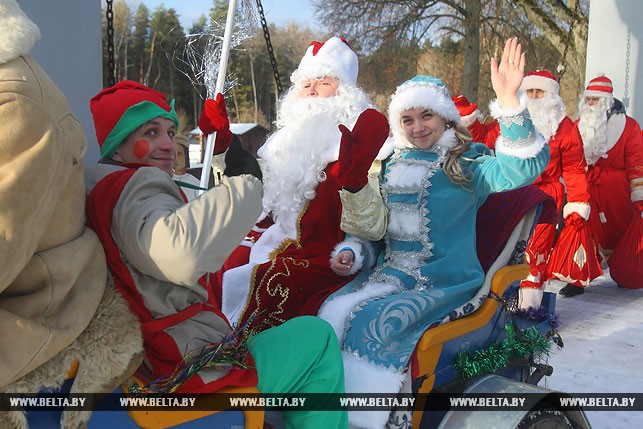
<point x="603" y="335"/>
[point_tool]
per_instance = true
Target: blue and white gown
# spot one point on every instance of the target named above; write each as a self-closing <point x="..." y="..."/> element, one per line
<point x="428" y="272"/>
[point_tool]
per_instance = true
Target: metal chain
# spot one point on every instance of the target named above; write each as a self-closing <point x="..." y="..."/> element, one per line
<point x="111" y="65"/>
<point x="626" y="98"/>
<point x="271" y="52"/>
<point x="562" y="67"/>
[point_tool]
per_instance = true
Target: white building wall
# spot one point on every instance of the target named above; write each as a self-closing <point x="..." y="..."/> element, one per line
<point x="70" y="52"/>
<point x="615" y="33"/>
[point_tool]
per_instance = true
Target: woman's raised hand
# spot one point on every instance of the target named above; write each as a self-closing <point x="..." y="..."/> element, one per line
<point x="507" y="76"/>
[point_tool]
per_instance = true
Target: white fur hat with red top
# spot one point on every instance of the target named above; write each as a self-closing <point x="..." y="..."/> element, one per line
<point x="600" y="86"/>
<point x="540" y="79"/>
<point x="333" y="58"/>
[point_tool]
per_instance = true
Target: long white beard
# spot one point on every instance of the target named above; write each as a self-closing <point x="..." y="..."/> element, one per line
<point x="293" y="159"/>
<point x="592" y="126"/>
<point x="546" y="113"/>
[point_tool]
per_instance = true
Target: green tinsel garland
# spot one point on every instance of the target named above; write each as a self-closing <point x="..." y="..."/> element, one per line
<point x="528" y="343"/>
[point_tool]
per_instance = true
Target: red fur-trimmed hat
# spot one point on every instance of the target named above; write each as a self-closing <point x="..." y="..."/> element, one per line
<point x="600" y="86"/>
<point x="540" y="79"/>
<point x="122" y="108"/>
<point x="464" y="106"/>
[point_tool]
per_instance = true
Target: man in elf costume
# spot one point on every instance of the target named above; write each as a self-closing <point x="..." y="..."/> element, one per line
<point x="159" y="248"/>
<point x="282" y="269"/>
<point x="614" y="152"/>
<point x="567" y="161"/>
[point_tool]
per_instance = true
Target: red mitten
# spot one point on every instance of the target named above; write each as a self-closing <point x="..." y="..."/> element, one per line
<point x="215" y="119"/>
<point x="574" y="219"/>
<point x="639" y="206"/>
<point x="359" y="147"/>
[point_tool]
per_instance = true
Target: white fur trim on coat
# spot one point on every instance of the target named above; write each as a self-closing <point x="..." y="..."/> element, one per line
<point x="530" y="297"/>
<point x="336" y="310"/>
<point x="17" y="32"/>
<point x="521" y="152"/>
<point x="498" y="111"/>
<point x="615" y="127"/>
<point x="582" y="209"/>
<point x="362" y="377"/>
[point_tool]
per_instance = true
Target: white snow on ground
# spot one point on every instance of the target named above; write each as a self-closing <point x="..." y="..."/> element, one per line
<point x="603" y="335"/>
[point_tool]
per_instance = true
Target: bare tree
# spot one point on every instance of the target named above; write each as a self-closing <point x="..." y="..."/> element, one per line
<point x="480" y="25"/>
<point x="374" y="21"/>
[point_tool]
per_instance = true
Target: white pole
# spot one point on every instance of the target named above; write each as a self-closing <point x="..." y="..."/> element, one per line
<point x="223" y="66"/>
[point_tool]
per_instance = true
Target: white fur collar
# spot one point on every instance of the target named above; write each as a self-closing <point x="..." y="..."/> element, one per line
<point x="615" y="128"/>
<point x="17" y="32"/>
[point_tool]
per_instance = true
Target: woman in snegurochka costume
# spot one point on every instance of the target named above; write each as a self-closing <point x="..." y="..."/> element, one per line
<point x="433" y="184"/>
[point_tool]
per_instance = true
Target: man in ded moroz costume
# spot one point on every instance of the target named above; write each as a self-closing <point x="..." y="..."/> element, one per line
<point x="567" y="161"/>
<point x="614" y="152"/>
<point x="281" y="270"/>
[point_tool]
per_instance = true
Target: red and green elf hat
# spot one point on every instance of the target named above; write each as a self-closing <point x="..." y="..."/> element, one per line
<point x="122" y="108"/>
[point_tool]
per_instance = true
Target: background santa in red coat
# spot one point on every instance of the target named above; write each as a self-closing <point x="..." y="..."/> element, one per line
<point x="282" y="269"/>
<point x="567" y="162"/>
<point x="613" y="148"/>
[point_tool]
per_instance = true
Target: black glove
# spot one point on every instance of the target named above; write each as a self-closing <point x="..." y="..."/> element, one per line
<point x="238" y="161"/>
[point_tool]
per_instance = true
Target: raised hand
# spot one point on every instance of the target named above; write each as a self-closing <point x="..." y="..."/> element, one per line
<point x="215" y="119"/>
<point x="359" y="147"/>
<point x="506" y="77"/>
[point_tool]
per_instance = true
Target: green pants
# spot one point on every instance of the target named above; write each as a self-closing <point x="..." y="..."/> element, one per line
<point x="301" y="356"/>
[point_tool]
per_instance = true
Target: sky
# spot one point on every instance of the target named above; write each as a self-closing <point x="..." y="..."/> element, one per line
<point x="278" y="12"/>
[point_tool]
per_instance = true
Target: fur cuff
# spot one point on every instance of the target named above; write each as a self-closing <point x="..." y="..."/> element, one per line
<point x="582" y="209"/>
<point x="505" y="147"/>
<point x="498" y="111"/>
<point x="636" y="194"/>
<point x="386" y="150"/>
<point x="470" y="118"/>
<point x="355" y="245"/>
<point x="530" y="297"/>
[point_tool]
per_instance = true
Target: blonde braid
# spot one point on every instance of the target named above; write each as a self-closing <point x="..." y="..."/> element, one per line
<point x="452" y="166"/>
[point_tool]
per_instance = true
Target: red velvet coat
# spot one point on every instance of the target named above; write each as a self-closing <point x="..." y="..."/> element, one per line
<point x="567" y="160"/>
<point x="609" y="181"/>
<point x="297" y="278"/>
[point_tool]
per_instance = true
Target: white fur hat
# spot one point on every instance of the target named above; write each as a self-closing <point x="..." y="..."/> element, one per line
<point x="17" y="32"/>
<point x="332" y="58"/>
<point x="421" y="92"/>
